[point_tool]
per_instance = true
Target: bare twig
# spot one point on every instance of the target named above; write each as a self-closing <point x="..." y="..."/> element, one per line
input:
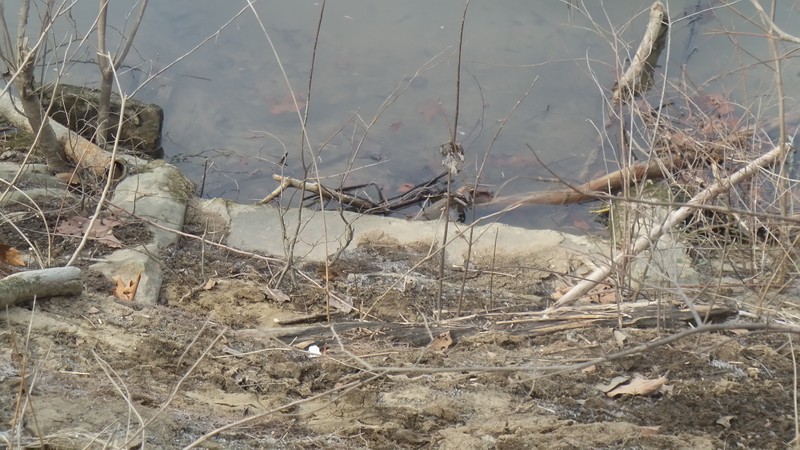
<point x="775" y="29"/>
<point x="646" y="241"/>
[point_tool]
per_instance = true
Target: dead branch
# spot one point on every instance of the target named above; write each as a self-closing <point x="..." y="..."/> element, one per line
<point x="598" y="188"/>
<point x="677" y="216"/>
<point x="78" y="149"/>
<point x="25" y="286"/>
<point x="639" y="75"/>
<point x="778" y="31"/>
<point x="327" y="193"/>
<point x="534" y="323"/>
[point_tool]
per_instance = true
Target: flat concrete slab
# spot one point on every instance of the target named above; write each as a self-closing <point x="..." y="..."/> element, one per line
<point x="258" y="229"/>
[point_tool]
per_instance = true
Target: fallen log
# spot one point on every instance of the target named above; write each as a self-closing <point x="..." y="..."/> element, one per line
<point x="595" y="189"/>
<point x="78" y="149"/>
<point x="38" y="284"/>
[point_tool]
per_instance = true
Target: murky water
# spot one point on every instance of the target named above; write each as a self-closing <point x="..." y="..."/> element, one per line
<point x="384" y="85"/>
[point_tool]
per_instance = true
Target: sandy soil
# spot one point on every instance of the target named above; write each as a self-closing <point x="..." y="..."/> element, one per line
<point x="213" y="354"/>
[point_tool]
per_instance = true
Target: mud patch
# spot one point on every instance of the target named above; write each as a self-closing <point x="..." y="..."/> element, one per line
<point x="99" y="369"/>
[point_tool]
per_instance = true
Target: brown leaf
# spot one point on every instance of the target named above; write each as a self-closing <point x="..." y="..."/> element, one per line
<point x="102" y="231"/>
<point x="405" y="187"/>
<point x="285" y="104"/>
<point x="638" y="386"/>
<point x="429" y="110"/>
<point x="11" y="256"/>
<point x="613" y="383"/>
<point x="70" y="178"/>
<point x="442" y="342"/>
<point x="126" y="290"/>
<point x="276" y="294"/>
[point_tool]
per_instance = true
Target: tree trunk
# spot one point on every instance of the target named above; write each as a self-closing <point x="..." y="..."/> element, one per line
<point x="104" y="107"/>
<point x="32" y="105"/>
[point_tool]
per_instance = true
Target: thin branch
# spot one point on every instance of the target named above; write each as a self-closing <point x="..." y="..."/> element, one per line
<point x="765" y="17"/>
<point x="675" y="217"/>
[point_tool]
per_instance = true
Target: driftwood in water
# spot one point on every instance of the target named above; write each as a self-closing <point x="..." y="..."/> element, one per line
<point x="677" y="216"/>
<point x="639" y="75"/>
<point x="76" y="108"/>
<point x="427" y="192"/>
<point x="597" y="188"/>
<point x="78" y="149"/>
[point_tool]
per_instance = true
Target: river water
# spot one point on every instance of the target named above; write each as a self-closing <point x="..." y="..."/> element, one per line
<point x="384" y="85"/>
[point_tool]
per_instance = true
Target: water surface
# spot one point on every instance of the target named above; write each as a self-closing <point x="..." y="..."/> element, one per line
<point x="230" y="119"/>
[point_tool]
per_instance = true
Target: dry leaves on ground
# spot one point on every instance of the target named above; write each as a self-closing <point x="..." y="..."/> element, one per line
<point x="11" y="256"/>
<point x="276" y="294"/>
<point x="441" y="342"/>
<point x="126" y="289"/>
<point x="102" y="231"/>
<point x="633" y="386"/>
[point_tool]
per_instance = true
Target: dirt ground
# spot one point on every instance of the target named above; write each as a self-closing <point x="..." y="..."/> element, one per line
<point x="211" y="355"/>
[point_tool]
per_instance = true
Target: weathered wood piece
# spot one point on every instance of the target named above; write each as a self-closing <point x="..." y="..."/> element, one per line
<point x="25" y="286"/>
<point x="76" y="108"/>
<point x="536" y="323"/>
<point x="639" y="76"/>
<point x="78" y="149"/>
<point x="595" y="189"/>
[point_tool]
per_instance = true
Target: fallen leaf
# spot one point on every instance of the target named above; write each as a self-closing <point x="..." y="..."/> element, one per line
<point x="405" y="187"/>
<point x="69" y="178"/>
<point x="303" y="345"/>
<point x="620" y="337"/>
<point x="286" y="104"/>
<point x="650" y="431"/>
<point x="725" y="421"/>
<point x="395" y="126"/>
<point x="276" y="294"/>
<point x="126" y="290"/>
<point x="102" y="231"/>
<point x="613" y="383"/>
<point x="11" y="256"/>
<point x="429" y="110"/>
<point x="209" y="284"/>
<point x="638" y="386"/>
<point x="441" y="342"/>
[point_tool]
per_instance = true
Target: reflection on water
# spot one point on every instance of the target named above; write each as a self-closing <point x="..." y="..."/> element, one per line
<point x="384" y="80"/>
